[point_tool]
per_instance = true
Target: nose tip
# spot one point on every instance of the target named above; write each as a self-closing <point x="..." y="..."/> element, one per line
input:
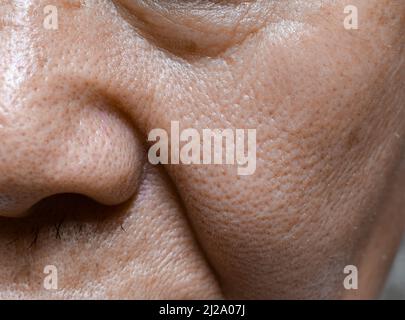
<point x="90" y="150"/>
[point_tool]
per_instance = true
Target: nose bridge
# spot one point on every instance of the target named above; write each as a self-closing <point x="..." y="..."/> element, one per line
<point x="22" y="55"/>
<point x="15" y="48"/>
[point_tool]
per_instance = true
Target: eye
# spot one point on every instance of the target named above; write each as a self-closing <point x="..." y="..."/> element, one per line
<point x="193" y="27"/>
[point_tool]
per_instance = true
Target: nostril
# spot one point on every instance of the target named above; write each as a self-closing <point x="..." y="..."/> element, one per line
<point x="57" y="216"/>
<point x="93" y="151"/>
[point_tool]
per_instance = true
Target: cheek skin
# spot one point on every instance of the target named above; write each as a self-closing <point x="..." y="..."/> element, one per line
<point x="330" y="137"/>
<point x="330" y="128"/>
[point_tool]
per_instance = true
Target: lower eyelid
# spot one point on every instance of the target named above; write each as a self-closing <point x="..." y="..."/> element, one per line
<point x="184" y="35"/>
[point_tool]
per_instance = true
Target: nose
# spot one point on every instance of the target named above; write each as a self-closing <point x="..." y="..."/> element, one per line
<point x="65" y="142"/>
<point x="58" y="136"/>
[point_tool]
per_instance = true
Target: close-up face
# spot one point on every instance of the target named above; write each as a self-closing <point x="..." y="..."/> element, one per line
<point x="311" y="95"/>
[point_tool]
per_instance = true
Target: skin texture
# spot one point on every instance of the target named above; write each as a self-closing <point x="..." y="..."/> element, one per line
<point x="76" y="106"/>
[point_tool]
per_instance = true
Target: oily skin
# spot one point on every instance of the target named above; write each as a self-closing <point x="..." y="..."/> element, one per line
<point x="76" y="106"/>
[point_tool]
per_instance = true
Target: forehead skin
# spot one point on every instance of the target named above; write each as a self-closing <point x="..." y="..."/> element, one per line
<point x="76" y="106"/>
